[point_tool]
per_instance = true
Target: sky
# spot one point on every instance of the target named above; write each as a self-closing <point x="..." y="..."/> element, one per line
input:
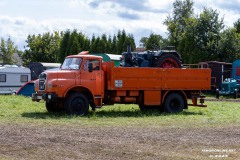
<point x="20" y="18"/>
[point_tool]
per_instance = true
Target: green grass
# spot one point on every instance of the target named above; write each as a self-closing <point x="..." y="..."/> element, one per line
<point x="18" y="109"/>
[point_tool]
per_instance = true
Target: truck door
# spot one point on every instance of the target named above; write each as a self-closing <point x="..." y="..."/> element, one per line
<point x="93" y="80"/>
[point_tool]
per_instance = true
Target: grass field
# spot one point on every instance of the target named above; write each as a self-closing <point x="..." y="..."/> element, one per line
<point x="211" y="132"/>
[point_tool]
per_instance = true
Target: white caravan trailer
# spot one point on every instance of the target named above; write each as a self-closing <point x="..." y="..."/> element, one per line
<point x="12" y="78"/>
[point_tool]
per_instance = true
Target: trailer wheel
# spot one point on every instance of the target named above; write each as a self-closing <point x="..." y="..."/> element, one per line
<point x="168" y="61"/>
<point x="77" y="104"/>
<point x="174" y="103"/>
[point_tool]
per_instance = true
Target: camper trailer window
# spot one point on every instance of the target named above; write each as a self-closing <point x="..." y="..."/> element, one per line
<point x="2" y="77"/>
<point x="24" y="78"/>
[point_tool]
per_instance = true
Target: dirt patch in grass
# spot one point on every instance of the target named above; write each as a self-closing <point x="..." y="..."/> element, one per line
<point x="19" y="141"/>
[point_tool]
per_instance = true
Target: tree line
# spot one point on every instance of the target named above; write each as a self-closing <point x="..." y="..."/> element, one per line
<point x="197" y="37"/>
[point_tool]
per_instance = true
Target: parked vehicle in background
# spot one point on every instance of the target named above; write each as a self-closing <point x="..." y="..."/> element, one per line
<point x="38" y="67"/>
<point x="231" y="86"/>
<point x="12" y="78"/>
<point x="220" y="71"/>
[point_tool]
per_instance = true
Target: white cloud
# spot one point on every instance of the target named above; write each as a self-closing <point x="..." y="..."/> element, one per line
<point x="98" y="16"/>
<point x="18" y="28"/>
<point x="73" y="3"/>
<point x="2" y="4"/>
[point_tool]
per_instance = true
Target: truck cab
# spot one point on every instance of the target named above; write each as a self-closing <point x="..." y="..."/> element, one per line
<point x="78" y="73"/>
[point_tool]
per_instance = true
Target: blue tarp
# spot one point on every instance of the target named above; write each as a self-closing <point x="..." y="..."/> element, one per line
<point x="27" y="89"/>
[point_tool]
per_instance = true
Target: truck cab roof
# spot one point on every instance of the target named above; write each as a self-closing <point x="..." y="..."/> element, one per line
<point x="85" y="56"/>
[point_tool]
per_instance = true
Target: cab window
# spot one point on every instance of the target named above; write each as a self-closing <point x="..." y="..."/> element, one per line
<point x="95" y="63"/>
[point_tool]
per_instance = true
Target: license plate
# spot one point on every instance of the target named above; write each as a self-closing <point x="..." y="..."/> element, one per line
<point x="39" y="97"/>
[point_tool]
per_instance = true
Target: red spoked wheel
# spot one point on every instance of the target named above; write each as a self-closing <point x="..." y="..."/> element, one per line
<point x="168" y="61"/>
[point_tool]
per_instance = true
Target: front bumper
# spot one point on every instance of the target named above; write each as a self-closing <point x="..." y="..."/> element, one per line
<point x="44" y="96"/>
<point x="225" y="93"/>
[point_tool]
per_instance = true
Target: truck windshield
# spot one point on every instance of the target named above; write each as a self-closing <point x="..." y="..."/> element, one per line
<point x="71" y="63"/>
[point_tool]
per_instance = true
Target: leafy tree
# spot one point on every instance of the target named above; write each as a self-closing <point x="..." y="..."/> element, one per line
<point x="109" y="45"/>
<point x="229" y="45"/>
<point x="93" y="46"/>
<point x="101" y="43"/>
<point x="183" y="10"/>
<point x="42" y="48"/>
<point x="64" y="49"/>
<point x="208" y="34"/>
<point x="154" y="42"/>
<point x="130" y="40"/>
<point x="237" y="25"/>
<point x="74" y="43"/>
<point x="182" y="28"/>
<point x="114" y="45"/>
<point x="7" y="49"/>
<point x="120" y="42"/>
<point x="54" y="46"/>
<point x="84" y="42"/>
<point x="86" y="45"/>
<point x="143" y="42"/>
<point x="195" y="37"/>
<point x="123" y="40"/>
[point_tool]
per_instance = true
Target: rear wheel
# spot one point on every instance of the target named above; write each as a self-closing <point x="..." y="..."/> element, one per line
<point x="168" y="61"/>
<point x="174" y="103"/>
<point x="77" y="104"/>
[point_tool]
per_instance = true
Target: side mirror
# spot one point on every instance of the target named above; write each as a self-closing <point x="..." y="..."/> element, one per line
<point x="90" y="67"/>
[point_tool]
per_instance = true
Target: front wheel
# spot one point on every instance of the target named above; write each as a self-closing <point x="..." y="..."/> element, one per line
<point x="174" y="103"/>
<point x="52" y="106"/>
<point x="77" y="104"/>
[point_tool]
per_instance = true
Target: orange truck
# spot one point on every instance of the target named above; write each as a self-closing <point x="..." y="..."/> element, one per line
<point x="85" y="80"/>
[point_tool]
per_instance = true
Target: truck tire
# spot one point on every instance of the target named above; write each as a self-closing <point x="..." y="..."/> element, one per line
<point x="168" y="61"/>
<point x="174" y="103"/>
<point x="77" y="104"/>
<point x="235" y="95"/>
<point x="52" y="106"/>
<point x="217" y="94"/>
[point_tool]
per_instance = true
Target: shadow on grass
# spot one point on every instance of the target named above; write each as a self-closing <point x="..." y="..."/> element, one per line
<point x="45" y="115"/>
<point x="107" y="114"/>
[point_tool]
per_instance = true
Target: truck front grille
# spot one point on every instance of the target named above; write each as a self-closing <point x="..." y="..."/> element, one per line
<point x="42" y="84"/>
<point x="42" y="81"/>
